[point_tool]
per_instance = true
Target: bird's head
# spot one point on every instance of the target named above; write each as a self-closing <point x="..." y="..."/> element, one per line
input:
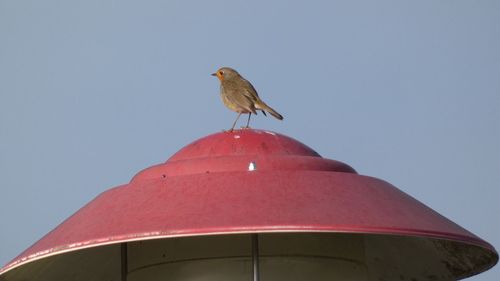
<point x="226" y="73"/>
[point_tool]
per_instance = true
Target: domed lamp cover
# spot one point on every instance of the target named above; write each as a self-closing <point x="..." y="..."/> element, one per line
<point x="195" y="216"/>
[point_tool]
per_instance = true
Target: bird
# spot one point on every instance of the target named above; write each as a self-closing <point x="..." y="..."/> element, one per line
<point x="240" y="96"/>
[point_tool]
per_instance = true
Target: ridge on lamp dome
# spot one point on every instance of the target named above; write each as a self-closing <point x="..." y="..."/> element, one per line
<point x="234" y="151"/>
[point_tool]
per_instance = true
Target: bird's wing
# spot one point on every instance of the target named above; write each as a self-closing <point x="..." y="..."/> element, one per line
<point x="250" y="91"/>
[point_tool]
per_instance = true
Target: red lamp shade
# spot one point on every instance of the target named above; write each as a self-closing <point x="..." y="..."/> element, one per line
<point x="190" y="219"/>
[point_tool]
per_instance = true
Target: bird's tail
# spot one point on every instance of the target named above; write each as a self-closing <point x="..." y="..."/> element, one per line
<point x="261" y="105"/>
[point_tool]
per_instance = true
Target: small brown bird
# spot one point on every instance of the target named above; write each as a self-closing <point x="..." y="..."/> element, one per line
<point x="240" y="96"/>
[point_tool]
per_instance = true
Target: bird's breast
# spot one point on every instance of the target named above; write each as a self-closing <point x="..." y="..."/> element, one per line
<point x="230" y="99"/>
<point x="229" y="104"/>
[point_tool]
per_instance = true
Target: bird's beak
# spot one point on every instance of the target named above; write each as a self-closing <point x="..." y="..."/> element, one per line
<point x="219" y="75"/>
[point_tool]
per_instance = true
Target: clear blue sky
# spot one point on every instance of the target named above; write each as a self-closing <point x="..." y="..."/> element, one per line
<point x="93" y="91"/>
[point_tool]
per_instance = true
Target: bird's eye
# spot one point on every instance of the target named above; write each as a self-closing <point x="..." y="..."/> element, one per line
<point x="221" y="73"/>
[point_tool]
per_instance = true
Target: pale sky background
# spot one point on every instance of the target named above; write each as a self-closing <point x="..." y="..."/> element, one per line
<point x="93" y="91"/>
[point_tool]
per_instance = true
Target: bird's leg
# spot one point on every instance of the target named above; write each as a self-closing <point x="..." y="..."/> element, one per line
<point x="234" y="124"/>
<point x="248" y="121"/>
